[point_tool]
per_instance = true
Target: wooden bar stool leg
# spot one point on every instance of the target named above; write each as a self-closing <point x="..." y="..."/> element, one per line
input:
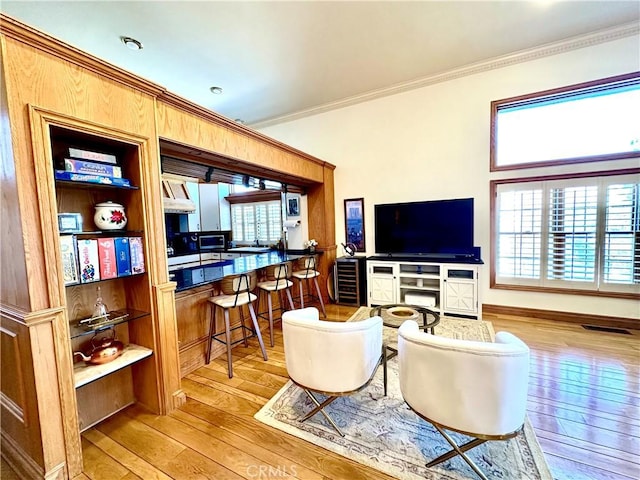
<point x="301" y="294"/>
<point x="212" y="331"/>
<point x="281" y="301"/>
<point x="290" y="299"/>
<point x="255" y="324"/>
<point x="244" y="328"/>
<point x="270" y="306"/>
<point x="260" y="293"/>
<point x="315" y="280"/>
<point x="227" y="331"/>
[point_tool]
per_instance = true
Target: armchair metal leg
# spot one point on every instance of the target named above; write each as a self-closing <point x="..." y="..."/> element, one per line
<point x="458" y="450"/>
<point x="384" y="368"/>
<point x="320" y="408"/>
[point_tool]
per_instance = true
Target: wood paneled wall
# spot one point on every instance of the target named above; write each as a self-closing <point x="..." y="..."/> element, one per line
<point x="202" y="130"/>
<point x="13" y="260"/>
<point x="44" y="80"/>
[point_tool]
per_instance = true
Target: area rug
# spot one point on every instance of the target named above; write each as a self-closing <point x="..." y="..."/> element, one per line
<point x="383" y="433"/>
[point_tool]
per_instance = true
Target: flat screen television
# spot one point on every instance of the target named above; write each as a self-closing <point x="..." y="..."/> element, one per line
<point x="437" y="228"/>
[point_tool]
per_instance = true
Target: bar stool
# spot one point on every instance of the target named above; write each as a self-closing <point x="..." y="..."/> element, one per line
<point x="277" y="280"/>
<point x="306" y="270"/>
<point x="236" y="292"/>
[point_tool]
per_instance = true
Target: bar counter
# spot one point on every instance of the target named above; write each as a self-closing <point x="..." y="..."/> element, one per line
<point x="195" y="285"/>
<point x="192" y="277"/>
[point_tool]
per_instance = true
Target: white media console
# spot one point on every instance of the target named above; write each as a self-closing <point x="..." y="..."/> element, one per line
<point x="447" y="288"/>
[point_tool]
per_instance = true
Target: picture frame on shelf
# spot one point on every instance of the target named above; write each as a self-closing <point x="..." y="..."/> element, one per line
<point x="293" y="205"/>
<point x="70" y="222"/>
<point x="354" y="232"/>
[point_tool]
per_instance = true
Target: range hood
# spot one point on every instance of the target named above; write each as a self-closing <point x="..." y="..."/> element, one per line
<point x="173" y="205"/>
<point x="175" y="196"/>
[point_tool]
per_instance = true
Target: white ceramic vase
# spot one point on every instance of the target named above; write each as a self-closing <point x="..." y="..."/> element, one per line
<point x="110" y="216"/>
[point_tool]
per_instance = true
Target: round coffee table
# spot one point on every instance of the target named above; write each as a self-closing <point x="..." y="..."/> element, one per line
<point x="396" y="314"/>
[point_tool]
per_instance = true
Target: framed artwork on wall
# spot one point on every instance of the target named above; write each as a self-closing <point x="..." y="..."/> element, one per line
<point x="293" y="205"/>
<point x="354" y="222"/>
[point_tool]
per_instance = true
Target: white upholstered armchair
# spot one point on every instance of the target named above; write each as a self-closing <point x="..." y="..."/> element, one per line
<point x="475" y="388"/>
<point x="331" y="358"/>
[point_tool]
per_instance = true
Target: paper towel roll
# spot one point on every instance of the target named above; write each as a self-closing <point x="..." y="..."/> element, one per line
<point x="291" y="223"/>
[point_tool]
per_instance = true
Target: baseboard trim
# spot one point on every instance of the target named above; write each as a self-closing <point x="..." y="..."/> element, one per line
<point x="23" y="465"/>
<point x="581" y="318"/>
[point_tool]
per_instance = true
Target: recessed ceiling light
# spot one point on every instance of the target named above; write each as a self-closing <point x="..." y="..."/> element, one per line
<point x="132" y="43"/>
<point x="216" y="90"/>
<point x="239" y="120"/>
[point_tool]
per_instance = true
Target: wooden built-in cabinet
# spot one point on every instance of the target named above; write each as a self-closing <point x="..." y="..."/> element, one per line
<point x="51" y="93"/>
<point x="97" y="396"/>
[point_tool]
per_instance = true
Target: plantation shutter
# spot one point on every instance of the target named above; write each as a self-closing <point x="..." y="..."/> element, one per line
<point x="571" y="241"/>
<point x="621" y="259"/>
<point x="257" y="221"/>
<point x="581" y="233"/>
<point x="237" y="225"/>
<point x="519" y="232"/>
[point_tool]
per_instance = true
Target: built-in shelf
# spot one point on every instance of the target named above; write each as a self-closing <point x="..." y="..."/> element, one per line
<point x="107" y="233"/>
<point x="423" y="287"/>
<point x="105" y="280"/>
<point x="113" y="318"/>
<point x="420" y="275"/>
<point x="84" y="374"/>
<point x="80" y="184"/>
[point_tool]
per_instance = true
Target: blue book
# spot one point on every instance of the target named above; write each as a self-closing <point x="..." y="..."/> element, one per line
<point x="123" y="256"/>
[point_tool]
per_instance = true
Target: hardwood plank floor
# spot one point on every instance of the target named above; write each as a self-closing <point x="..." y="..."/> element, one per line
<point x="584" y="394"/>
<point x="584" y="404"/>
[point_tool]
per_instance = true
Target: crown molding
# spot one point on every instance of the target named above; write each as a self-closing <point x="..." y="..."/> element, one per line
<point x="522" y="56"/>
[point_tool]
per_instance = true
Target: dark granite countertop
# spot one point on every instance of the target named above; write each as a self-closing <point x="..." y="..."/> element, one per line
<point x="191" y="277"/>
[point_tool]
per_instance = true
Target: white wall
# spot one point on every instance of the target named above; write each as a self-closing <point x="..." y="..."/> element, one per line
<point x="296" y="236"/>
<point x="433" y="143"/>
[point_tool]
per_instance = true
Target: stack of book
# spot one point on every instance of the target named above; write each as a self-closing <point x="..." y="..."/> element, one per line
<point x="93" y="167"/>
<point x="90" y="260"/>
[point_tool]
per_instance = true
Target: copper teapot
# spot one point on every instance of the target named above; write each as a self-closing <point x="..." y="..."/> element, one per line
<point x="102" y="350"/>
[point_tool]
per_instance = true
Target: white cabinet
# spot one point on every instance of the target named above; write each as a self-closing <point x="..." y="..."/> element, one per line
<point x="446" y="288"/>
<point x="460" y="290"/>
<point x="224" y="206"/>
<point x="215" y="211"/>
<point x="209" y="258"/>
<point x="209" y="207"/>
<point x="193" y="218"/>
<point x="230" y="256"/>
<point x="381" y="282"/>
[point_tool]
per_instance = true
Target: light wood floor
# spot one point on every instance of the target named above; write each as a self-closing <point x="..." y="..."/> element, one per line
<point x="584" y="403"/>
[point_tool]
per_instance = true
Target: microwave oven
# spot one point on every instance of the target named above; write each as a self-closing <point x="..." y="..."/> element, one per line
<point x="209" y="243"/>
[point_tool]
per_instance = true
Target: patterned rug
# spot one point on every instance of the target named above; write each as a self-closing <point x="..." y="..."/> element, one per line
<point x="383" y="433"/>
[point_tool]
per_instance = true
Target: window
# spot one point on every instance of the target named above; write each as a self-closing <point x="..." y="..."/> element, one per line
<point x="260" y="221"/>
<point x="580" y="123"/>
<point x="575" y="233"/>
